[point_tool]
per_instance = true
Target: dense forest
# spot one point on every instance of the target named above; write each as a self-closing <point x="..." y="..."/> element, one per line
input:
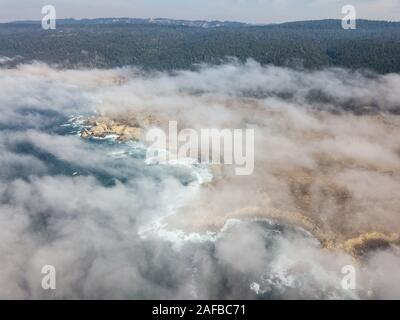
<point x="373" y="45"/>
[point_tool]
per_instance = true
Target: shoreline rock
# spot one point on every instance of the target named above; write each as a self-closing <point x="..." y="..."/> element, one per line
<point x="103" y="126"/>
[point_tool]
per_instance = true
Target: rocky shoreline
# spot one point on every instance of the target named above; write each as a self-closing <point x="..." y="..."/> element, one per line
<point x="132" y="127"/>
<point x="100" y="128"/>
<point x="124" y="127"/>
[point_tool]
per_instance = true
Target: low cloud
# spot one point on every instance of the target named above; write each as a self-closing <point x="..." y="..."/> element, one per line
<point x="326" y="149"/>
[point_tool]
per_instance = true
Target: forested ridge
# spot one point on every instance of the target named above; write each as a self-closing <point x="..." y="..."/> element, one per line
<point x="373" y="45"/>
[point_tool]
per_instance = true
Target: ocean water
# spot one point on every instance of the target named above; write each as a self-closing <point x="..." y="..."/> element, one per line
<point x="279" y="277"/>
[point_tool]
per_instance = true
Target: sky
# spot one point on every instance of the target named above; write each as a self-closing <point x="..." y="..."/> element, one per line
<point x="253" y="11"/>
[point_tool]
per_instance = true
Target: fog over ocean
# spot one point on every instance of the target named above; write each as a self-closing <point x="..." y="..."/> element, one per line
<point x="115" y="226"/>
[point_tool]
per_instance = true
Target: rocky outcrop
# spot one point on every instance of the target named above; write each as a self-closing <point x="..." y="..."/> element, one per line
<point x="103" y="126"/>
<point x="126" y="126"/>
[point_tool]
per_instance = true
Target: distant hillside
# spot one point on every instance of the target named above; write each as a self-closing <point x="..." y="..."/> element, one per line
<point x="157" y="21"/>
<point x="176" y="44"/>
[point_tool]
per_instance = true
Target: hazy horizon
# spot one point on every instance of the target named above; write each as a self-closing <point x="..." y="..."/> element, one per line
<point x="184" y="19"/>
<point x="249" y="11"/>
